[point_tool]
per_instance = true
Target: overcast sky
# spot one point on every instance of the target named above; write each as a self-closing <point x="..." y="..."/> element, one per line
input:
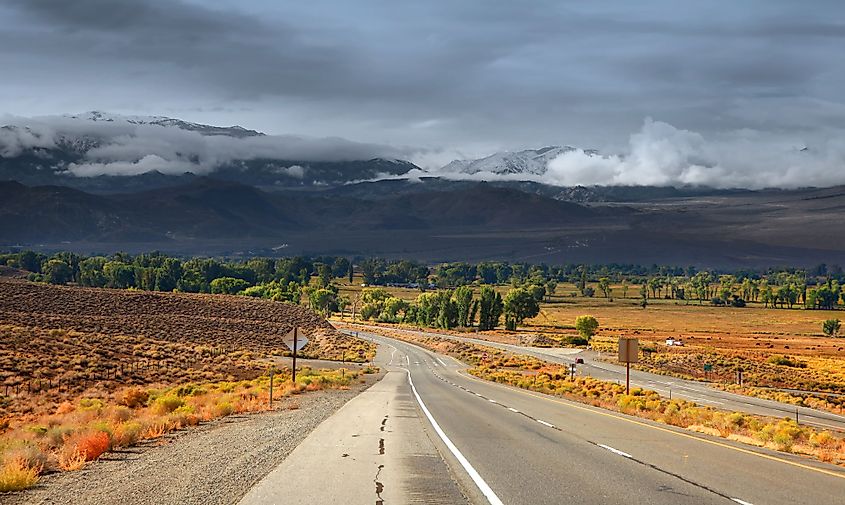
<point x="457" y="76"/>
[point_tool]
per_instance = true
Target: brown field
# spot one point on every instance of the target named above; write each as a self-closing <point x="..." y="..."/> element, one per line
<point x="61" y="342"/>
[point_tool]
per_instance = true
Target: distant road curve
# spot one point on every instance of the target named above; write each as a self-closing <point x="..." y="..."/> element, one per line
<point x="698" y="392"/>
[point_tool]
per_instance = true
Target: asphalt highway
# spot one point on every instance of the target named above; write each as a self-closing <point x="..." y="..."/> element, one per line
<point x="506" y="445"/>
<point x="699" y="392"/>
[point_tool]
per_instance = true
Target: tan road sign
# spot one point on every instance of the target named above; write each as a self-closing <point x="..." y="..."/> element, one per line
<point x="628" y="348"/>
<point x="297" y="335"/>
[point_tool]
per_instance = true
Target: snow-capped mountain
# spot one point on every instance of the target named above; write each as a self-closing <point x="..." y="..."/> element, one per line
<point x="98" y="151"/>
<point x="529" y="162"/>
<point x="229" y="131"/>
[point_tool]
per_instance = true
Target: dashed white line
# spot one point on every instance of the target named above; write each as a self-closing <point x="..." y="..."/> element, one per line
<point x="492" y="400"/>
<point x="441" y="361"/>
<point x="513" y="410"/>
<point x="473" y="474"/>
<point x="615" y="451"/>
<point x="550" y="425"/>
<point x="741" y="502"/>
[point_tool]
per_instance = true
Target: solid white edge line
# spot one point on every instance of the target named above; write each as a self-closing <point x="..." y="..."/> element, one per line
<point x="550" y="425"/>
<point x="741" y="502"/>
<point x="473" y="474"/>
<point x="616" y="451"/>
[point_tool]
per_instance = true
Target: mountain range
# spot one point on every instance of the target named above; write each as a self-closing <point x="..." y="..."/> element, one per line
<point x="199" y="189"/>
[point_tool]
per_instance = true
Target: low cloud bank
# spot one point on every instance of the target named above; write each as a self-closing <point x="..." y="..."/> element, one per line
<point x="663" y="155"/>
<point x="121" y="147"/>
<point x="658" y="154"/>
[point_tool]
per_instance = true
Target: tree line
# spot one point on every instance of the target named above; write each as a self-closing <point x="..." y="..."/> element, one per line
<point x="291" y="279"/>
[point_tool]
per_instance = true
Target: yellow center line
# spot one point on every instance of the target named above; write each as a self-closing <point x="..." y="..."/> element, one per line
<point x="659" y="428"/>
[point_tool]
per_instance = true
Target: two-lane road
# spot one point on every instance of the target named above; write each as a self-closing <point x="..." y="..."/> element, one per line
<point x="698" y="392"/>
<point x="512" y="446"/>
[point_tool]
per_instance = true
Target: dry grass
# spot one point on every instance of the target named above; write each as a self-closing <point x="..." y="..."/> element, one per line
<point x="74" y="435"/>
<point x="16" y="475"/>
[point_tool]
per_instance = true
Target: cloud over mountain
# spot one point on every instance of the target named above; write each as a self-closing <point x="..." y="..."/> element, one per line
<point x="660" y="154"/>
<point x="118" y="145"/>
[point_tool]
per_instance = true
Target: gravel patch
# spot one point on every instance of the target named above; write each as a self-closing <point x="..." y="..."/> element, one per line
<point x="216" y="463"/>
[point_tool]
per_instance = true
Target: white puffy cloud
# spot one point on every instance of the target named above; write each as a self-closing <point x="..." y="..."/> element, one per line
<point x="663" y="155"/>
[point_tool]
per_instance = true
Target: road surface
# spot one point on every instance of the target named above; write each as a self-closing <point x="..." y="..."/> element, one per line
<point x="699" y="392"/>
<point x="505" y="445"/>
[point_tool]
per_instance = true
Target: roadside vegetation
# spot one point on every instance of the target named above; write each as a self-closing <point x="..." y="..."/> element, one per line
<point x="533" y="374"/>
<point x="80" y="431"/>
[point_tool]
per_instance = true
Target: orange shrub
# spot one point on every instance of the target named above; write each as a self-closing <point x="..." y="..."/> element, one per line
<point x="90" y="445"/>
<point x="134" y="398"/>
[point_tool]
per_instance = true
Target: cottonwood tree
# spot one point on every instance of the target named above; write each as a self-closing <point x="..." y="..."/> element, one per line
<point x="463" y="303"/>
<point x="586" y="326"/>
<point x="519" y="304"/>
<point x="490" y="309"/>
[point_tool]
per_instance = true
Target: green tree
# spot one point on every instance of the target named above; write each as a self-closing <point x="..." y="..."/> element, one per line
<point x="119" y="275"/>
<point x="538" y="291"/>
<point x="831" y="327"/>
<point x="462" y="296"/>
<point x="324" y="272"/>
<point x="604" y="286"/>
<point x="551" y="286"/>
<point x="57" y="272"/>
<point x="490" y="309"/>
<point x="643" y="296"/>
<point x="30" y="261"/>
<point x="586" y="326"/>
<point x="228" y="285"/>
<point x="520" y="304"/>
<point x="323" y="300"/>
<point x="91" y="272"/>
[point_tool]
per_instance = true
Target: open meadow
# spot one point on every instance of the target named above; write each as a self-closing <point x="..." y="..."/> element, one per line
<point x="782" y="353"/>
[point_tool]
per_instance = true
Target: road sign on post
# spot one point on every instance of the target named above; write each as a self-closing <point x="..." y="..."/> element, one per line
<point x="628" y="353"/>
<point x="295" y="341"/>
<point x="572" y="371"/>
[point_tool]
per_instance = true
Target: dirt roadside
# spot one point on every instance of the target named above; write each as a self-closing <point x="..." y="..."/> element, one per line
<point x="216" y="463"/>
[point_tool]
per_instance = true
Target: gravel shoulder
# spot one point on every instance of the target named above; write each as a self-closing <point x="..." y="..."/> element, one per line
<point x="216" y="463"/>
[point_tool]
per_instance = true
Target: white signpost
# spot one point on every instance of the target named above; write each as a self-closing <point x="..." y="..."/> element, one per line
<point x="295" y="341"/>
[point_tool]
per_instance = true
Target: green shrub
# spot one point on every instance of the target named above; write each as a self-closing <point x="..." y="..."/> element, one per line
<point x="167" y="404"/>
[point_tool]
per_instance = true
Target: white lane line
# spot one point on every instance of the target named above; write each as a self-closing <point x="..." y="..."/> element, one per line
<point x="473" y="474"/>
<point x="492" y="400"/>
<point x="513" y="410"/>
<point x="550" y="425"/>
<point x="441" y="361"/>
<point x="615" y="451"/>
<point x="478" y="395"/>
<point x="741" y="502"/>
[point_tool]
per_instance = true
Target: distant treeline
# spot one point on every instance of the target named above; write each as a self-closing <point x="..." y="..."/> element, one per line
<point x="289" y="279"/>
